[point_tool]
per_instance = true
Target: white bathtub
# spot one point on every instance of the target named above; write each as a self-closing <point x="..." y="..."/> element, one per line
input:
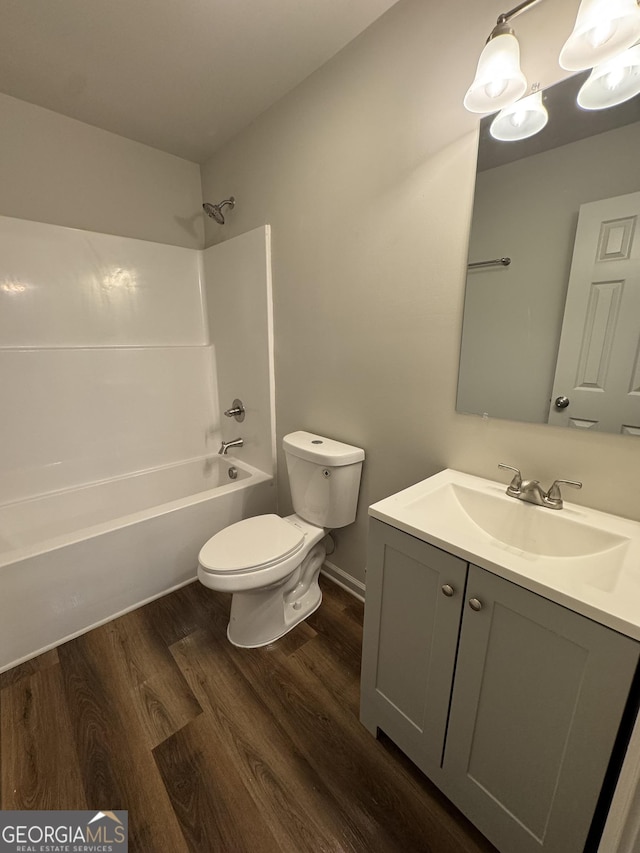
<point x="74" y="559"/>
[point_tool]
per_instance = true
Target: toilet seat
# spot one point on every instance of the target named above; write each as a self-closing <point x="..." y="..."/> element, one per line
<point x="251" y="545"/>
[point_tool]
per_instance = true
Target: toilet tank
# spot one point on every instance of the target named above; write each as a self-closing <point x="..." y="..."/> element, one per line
<point x="324" y="478"/>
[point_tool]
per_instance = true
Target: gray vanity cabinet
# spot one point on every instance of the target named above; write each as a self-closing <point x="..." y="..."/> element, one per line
<point x="536" y="707"/>
<point x="412" y="619"/>
<point x="509" y="702"/>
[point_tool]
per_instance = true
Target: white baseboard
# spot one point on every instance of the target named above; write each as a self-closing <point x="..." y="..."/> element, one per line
<point x="346" y="581"/>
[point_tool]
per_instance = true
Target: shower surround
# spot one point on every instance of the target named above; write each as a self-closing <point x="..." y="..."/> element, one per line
<point x="108" y="368"/>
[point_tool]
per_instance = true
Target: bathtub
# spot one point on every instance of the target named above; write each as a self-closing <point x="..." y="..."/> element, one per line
<point x="73" y="559"/>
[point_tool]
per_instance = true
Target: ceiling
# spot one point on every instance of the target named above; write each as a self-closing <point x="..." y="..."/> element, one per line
<point x="180" y="75"/>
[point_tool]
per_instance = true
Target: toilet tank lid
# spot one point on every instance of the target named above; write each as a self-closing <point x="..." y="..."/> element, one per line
<point x="323" y="451"/>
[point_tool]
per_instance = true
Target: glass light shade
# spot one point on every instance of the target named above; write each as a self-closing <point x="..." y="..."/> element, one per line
<point x="499" y="80"/>
<point x="521" y="120"/>
<point x="613" y="82"/>
<point x="603" y="29"/>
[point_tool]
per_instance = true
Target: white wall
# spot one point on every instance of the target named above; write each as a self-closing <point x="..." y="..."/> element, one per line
<point x="105" y="362"/>
<point x="366" y="174"/>
<point x="239" y="309"/>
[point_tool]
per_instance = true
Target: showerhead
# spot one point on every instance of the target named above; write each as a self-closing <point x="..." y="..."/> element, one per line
<point x="215" y="210"/>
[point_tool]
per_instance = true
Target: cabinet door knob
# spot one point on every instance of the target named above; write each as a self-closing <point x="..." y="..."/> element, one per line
<point x="475" y="604"/>
<point x="448" y="590"/>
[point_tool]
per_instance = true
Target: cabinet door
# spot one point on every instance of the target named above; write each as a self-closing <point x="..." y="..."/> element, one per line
<point x="536" y="707"/>
<point x="411" y="629"/>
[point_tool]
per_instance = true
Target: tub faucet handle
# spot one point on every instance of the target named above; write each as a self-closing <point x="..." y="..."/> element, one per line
<point x="236" y="411"/>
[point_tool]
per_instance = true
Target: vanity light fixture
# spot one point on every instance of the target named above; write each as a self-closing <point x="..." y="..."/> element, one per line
<point x="613" y="82"/>
<point x="521" y="120"/>
<point x="606" y="38"/>
<point x="499" y="81"/>
<point x="603" y="29"/>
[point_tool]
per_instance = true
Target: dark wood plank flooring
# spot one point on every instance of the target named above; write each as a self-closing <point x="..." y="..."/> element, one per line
<point x="216" y="749"/>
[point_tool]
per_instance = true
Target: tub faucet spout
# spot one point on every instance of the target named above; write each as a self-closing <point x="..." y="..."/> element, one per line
<point x="224" y="447"/>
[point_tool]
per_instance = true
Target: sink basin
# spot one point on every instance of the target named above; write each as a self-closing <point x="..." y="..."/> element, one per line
<point x="580" y="557"/>
<point x="523" y="526"/>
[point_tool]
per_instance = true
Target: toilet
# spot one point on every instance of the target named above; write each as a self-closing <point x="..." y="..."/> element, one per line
<point x="271" y="564"/>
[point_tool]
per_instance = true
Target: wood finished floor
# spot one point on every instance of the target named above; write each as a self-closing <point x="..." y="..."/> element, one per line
<point x="216" y="749"/>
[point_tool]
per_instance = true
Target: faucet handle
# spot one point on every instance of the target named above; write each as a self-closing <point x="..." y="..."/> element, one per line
<point x="513" y="488"/>
<point x="554" y="497"/>
<point x="236" y="411"/>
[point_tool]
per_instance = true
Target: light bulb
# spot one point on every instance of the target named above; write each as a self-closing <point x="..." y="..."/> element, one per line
<point x="496" y="88"/>
<point x="613" y="79"/>
<point x="601" y="34"/>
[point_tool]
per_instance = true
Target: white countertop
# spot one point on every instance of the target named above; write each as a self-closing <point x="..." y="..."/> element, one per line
<point x="583" y="559"/>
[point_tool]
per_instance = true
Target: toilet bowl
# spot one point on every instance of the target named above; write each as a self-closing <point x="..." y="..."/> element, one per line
<point x="271" y="564"/>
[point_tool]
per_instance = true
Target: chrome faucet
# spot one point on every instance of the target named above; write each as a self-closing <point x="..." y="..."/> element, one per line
<point x="532" y="492"/>
<point x="224" y="447"/>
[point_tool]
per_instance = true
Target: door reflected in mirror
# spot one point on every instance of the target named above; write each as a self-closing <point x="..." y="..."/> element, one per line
<point x="554" y="335"/>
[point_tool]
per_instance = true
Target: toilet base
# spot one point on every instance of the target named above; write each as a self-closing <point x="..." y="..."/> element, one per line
<point x="259" y="617"/>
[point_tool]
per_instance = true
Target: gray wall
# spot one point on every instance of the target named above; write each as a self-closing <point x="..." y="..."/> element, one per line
<point x="58" y="170"/>
<point x="365" y="173"/>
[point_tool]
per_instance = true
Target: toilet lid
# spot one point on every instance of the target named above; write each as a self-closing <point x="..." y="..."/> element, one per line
<point x="251" y="544"/>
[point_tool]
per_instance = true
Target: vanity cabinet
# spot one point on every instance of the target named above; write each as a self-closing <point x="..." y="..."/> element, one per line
<point x="411" y="633"/>
<point x="509" y="702"/>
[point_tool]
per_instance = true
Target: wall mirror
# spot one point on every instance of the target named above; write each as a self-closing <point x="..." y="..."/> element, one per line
<point x="554" y="336"/>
